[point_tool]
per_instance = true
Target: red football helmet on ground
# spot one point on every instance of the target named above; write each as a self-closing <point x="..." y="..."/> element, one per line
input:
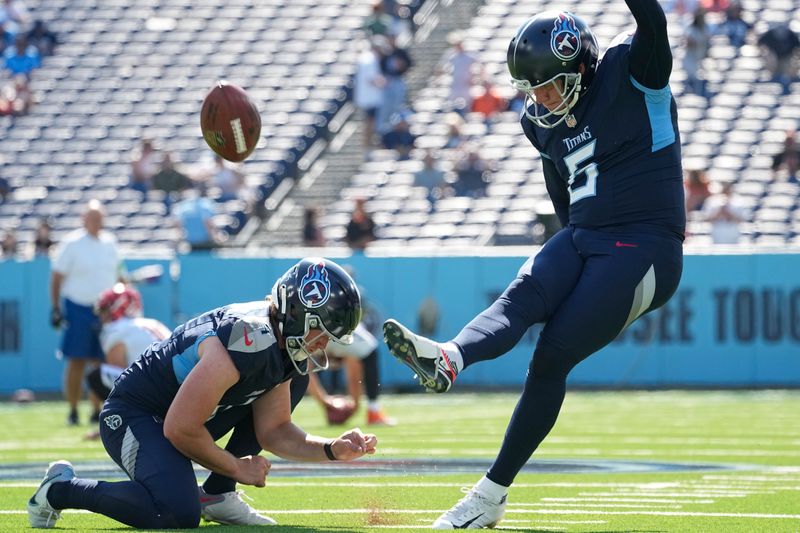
<point x="119" y="301"/>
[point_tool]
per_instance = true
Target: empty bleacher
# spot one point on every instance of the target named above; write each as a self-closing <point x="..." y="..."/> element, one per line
<point x="124" y="71"/>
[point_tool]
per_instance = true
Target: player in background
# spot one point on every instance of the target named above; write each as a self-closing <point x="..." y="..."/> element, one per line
<point x="360" y="361"/>
<point x="607" y="133"/>
<point x="227" y="369"/>
<point x="125" y="334"/>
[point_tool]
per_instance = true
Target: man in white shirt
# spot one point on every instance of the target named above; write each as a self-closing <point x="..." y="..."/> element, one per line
<point x="86" y="262"/>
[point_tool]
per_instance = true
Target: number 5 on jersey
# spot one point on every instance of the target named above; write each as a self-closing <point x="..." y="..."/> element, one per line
<point x="573" y="161"/>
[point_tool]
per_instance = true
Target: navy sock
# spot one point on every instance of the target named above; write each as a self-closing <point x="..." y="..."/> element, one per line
<point x="533" y="418"/>
<point x="371" y="379"/>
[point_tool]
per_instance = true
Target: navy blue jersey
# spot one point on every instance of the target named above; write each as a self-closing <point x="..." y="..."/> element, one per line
<point x="620" y="166"/>
<point x="152" y="382"/>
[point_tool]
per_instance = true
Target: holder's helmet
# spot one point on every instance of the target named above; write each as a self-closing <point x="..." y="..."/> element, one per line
<point x="315" y="293"/>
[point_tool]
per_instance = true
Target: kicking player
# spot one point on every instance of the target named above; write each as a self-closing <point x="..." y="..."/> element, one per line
<point x="125" y="334"/>
<point x="227" y="369"/>
<point x="607" y="133"/>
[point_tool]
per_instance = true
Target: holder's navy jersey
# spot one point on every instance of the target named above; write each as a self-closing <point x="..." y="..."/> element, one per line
<point x="152" y="382"/>
<point x="621" y="164"/>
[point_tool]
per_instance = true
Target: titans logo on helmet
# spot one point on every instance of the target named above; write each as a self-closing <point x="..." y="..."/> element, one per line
<point x="565" y="39"/>
<point x="315" y="288"/>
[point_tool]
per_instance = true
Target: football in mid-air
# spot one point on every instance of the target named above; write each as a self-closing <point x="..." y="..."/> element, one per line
<point x="230" y="121"/>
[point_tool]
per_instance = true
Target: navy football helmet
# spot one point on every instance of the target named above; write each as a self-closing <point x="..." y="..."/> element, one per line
<point x="315" y="293"/>
<point x="552" y="47"/>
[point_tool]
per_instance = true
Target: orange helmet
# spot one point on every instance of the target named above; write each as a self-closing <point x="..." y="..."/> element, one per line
<point x="119" y="301"/>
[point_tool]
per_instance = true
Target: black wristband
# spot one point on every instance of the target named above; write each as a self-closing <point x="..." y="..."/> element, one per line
<point x="328" y="447"/>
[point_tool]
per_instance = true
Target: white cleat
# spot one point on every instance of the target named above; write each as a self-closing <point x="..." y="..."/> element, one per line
<point x="40" y="513"/>
<point x="425" y="357"/>
<point x="229" y="508"/>
<point x="473" y="511"/>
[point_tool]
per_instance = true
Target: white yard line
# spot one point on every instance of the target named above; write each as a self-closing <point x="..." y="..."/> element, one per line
<point x="765" y="516"/>
<point x="622" y="500"/>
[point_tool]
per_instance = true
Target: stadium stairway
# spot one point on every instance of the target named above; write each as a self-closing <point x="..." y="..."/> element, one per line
<point x="342" y="155"/>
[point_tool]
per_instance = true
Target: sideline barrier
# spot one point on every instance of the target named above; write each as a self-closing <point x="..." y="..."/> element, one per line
<point x="734" y="321"/>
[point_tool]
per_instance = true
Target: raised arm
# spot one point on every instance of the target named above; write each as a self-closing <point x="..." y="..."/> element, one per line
<point x="651" y="57"/>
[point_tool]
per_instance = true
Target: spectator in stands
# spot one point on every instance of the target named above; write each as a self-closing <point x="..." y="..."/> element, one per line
<point x="715" y="6"/>
<point x="312" y="233"/>
<point x="145" y="163"/>
<point x="779" y="46"/>
<point x="734" y="27"/>
<point x="487" y="101"/>
<point x="395" y="62"/>
<point x="725" y="213"/>
<point x="22" y="58"/>
<point x="454" y="123"/>
<point x="517" y="103"/>
<point x="402" y="20"/>
<point x="6" y="39"/>
<point x="14" y="17"/>
<point x="461" y="66"/>
<point x="399" y="138"/>
<point x="431" y="177"/>
<point x="170" y="180"/>
<point x="195" y="215"/>
<point x="8" y="245"/>
<point x="86" y="262"/>
<point x="5" y="189"/>
<point x="42" y="38"/>
<point x="696" y="189"/>
<point x="16" y="98"/>
<point x="788" y="158"/>
<point x="228" y="178"/>
<point x="6" y="103"/>
<point x="361" y="228"/>
<point x="472" y="173"/>
<point x="43" y="241"/>
<point x="368" y="88"/>
<point x="378" y="22"/>
<point x="681" y="8"/>
<point x="696" y="41"/>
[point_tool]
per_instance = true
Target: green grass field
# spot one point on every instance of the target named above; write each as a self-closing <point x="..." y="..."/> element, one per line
<point x="615" y="445"/>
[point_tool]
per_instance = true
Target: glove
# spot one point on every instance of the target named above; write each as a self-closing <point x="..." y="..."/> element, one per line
<point x="55" y="317"/>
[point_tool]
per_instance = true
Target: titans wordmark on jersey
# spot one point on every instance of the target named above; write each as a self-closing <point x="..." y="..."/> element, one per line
<point x="244" y="329"/>
<point x="621" y="161"/>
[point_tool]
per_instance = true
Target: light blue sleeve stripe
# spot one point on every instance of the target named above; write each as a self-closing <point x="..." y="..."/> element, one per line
<point x="545" y="156"/>
<point x="658" y="104"/>
<point x="183" y="363"/>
